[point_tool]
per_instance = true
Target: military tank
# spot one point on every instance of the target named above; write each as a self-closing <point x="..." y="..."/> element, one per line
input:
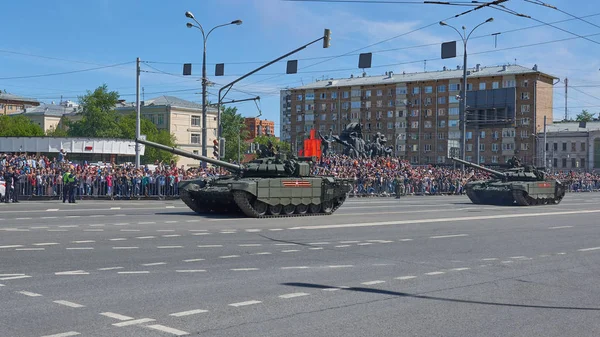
<point x="521" y="185"/>
<point x="273" y="186"/>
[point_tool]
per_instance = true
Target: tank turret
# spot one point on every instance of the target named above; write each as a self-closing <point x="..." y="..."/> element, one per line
<point x="515" y="173"/>
<point x="269" y="186"/>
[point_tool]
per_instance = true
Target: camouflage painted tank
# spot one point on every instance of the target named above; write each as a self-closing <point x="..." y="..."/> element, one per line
<point x="525" y="186"/>
<point x="275" y="186"/>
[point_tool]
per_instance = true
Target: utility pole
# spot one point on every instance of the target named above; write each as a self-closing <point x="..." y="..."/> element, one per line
<point x="566" y="91"/>
<point x="137" y="113"/>
<point x="545" y="144"/>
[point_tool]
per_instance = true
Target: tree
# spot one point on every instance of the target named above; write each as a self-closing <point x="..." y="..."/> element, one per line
<point x="585" y="116"/>
<point x="98" y="115"/>
<point x="127" y="126"/>
<point x="234" y="132"/>
<point x="19" y="126"/>
<point x="282" y="146"/>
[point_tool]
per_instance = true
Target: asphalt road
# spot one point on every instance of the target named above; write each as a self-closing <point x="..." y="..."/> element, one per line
<point x="418" y="266"/>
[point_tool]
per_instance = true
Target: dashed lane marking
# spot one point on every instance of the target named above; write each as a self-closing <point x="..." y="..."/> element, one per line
<point x="83" y="241"/>
<point x="193" y="260"/>
<point x="64" y="334"/>
<point x="172" y="221"/>
<point x="69" y="304"/>
<point x="250" y="245"/>
<point x="349" y="241"/>
<point x="13" y="277"/>
<point x="68" y="226"/>
<point x="241" y="304"/>
<point x="364" y="244"/>
<point x="30" y="249"/>
<point x="405" y="240"/>
<point x="43" y="227"/>
<point x="80" y="248"/>
<point x="11" y="246"/>
<point x="146" y="222"/>
<point x="298" y="267"/>
<point x="292" y="295"/>
<point x="460" y="269"/>
<point x="23" y="218"/>
<point x="169" y="206"/>
<point x="290" y="250"/>
<point x="133" y="272"/>
<point x="117" y="239"/>
<point x="145" y="237"/>
<point x="319" y="243"/>
<point x="56" y="230"/>
<point x="209" y="246"/>
<point x="72" y="272"/>
<point x="372" y="282"/>
<point x="189" y="312"/>
<point x="341" y="266"/>
<point x="253" y="230"/>
<point x="285" y="244"/>
<point x="448" y="236"/>
<point x="110" y="268"/>
<point x="167" y="329"/>
<point x="200" y="233"/>
<point x="125" y="247"/>
<point x="588" y="249"/>
<point x="97" y="225"/>
<point x="435" y="273"/>
<point x="28" y="293"/>
<point x="122" y="223"/>
<point x="560" y="227"/>
<point x="191" y="271"/>
<point x="168" y="247"/>
<point x="170" y="235"/>
<point x="134" y="322"/>
<point x="262" y="253"/>
<point x="153" y="264"/>
<point x="228" y="256"/>
<point x="316" y="248"/>
<point x="243" y="269"/>
<point x="93" y="230"/>
<point x="116" y="316"/>
<point x="115" y="208"/>
<point x="275" y="229"/>
<point x="52" y="210"/>
<point x="403" y="278"/>
<point x="130" y="230"/>
<point x="342" y="246"/>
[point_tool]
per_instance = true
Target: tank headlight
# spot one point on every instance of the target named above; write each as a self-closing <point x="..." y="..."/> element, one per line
<point x="229" y="186"/>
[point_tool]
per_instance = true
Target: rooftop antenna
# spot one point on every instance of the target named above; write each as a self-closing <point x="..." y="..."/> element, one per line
<point x="143" y="97"/>
<point x="496" y="39"/>
<point x="425" y="65"/>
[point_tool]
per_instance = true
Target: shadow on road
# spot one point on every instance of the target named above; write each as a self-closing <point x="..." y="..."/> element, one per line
<point x="206" y="216"/>
<point x="400" y="294"/>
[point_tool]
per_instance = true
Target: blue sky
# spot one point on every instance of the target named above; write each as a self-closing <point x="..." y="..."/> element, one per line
<point x="48" y="37"/>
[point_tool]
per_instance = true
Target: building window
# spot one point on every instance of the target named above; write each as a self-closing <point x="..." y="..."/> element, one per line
<point x="452" y="99"/>
<point x="524" y="95"/>
<point x="161" y="120"/>
<point x="564" y="162"/>
<point x="299" y="97"/>
<point x="441" y="135"/>
<point x="428" y="90"/>
<point x="416" y="90"/>
<point x="495" y="85"/>
<point x="355" y="105"/>
<point x="482" y="86"/>
<point x="442" y="124"/>
<point x="414" y="125"/>
<point x="564" y="146"/>
<point x="334" y="94"/>
<point x="441" y="112"/>
<point x="427" y="147"/>
<point x="453" y="111"/>
<point x="455" y="87"/>
<point x="400" y="91"/>
<point x="582" y="147"/>
<point x="555" y="162"/>
<point x="494" y="147"/>
<point x="582" y="162"/>
<point x="441" y="100"/>
<point x="195" y="138"/>
<point x="441" y="88"/>
<point x="310" y="97"/>
<point x="453" y="123"/>
<point x="195" y="120"/>
<point x="428" y="124"/>
<point x="481" y="147"/>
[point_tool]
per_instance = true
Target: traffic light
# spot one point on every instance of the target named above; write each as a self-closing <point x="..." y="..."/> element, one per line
<point x="222" y="147"/>
<point x="216" y="148"/>
<point x="326" y="38"/>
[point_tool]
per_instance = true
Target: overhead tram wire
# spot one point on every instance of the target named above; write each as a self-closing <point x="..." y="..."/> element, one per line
<point x="538" y="2"/>
<point x="65" y="72"/>
<point x="455" y="3"/>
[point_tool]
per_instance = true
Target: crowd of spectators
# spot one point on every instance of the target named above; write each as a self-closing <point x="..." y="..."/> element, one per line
<point x="43" y="176"/>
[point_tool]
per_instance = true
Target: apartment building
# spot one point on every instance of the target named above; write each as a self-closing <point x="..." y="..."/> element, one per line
<point x="258" y="127"/>
<point x="285" y="115"/>
<point x="419" y="112"/>
<point x="569" y="147"/>
<point x="12" y="104"/>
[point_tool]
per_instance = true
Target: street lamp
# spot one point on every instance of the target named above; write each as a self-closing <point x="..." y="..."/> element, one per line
<point x="204" y="80"/>
<point x="462" y="116"/>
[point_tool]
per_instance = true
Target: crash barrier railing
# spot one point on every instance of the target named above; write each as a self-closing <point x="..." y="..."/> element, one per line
<point x="160" y="186"/>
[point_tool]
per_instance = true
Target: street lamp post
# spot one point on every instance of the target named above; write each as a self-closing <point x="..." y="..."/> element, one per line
<point x="204" y="80"/>
<point x="463" y="116"/>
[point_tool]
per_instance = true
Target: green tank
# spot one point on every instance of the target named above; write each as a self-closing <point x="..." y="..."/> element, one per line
<point x="521" y="185"/>
<point x="273" y="186"/>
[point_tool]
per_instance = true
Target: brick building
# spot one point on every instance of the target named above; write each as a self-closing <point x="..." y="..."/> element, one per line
<point x="12" y="104"/>
<point x="419" y="112"/>
<point x="257" y="127"/>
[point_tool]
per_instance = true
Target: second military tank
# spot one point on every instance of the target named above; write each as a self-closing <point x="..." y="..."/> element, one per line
<point x="272" y="186"/>
<point x="521" y="185"/>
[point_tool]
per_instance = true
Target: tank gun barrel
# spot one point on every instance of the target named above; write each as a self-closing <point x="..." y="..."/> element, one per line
<point x="231" y="167"/>
<point x="494" y="172"/>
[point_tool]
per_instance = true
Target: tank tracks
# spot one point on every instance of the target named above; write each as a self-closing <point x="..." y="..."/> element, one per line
<point x="243" y="200"/>
<point x="523" y="199"/>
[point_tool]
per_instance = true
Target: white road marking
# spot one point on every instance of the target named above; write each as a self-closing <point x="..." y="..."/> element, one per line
<point x="118" y="239"/>
<point x="52" y="210"/>
<point x="372" y="282"/>
<point x="561" y="253"/>
<point x="69" y="304"/>
<point x="172" y="221"/>
<point x="1" y="285"/>
<point x="380" y="241"/>
<point x="193" y="220"/>
<point x="342" y="246"/>
<point x="251" y="245"/>
<point x="433" y="220"/>
<point x="30" y="249"/>
<point x="73" y="216"/>
<point x="125" y="247"/>
<point x="292" y="295"/>
<point x="448" y="236"/>
<point x="198" y="230"/>
<point x="402" y="278"/>
<point x="11" y="246"/>
<point x="145" y="237"/>
<point x="275" y="229"/>
<point x="80" y="248"/>
<point x="228" y="256"/>
<point x="285" y="244"/>
<point x="244" y="269"/>
<point x="298" y="267"/>
<point x="115" y="208"/>
<point x="518" y="257"/>
<point x="122" y="223"/>
<point x="262" y="253"/>
<point x="169" y="206"/>
<point x="153" y="264"/>
<point x="14" y="277"/>
<point x="97" y="215"/>
<point x="404" y="240"/>
<point x="209" y="246"/>
<point x="134" y="322"/>
<point x="56" y="230"/>
<point x="23" y="218"/>
<point x="241" y="304"/>
<point x="460" y="269"/>
<point x="146" y="223"/>
<point x="2" y="275"/>
<point x="191" y="271"/>
<point x="130" y="230"/>
<point x="64" y="334"/>
<point x="165" y="230"/>
<point x="200" y="233"/>
<point x="43" y="227"/>
<point x="349" y="241"/>
<point x="83" y="241"/>
<point x="116" y="316"/>
<point x="544" y="255"/>
<point x="193" y="260"/>
<point x="290" y="250"/>
<point x="171" y="235"/>
<point x="341" y="266"/>
<point x="189" y="312"/>
<point x="167" y="247"/>
<point x="588" y="249"/>
<point x="110" y="268"/>
<point x="362" y="244"/>
<point x="72" y="272"/>
<point x="253" y="230"/>
<point x="435" y="273"/>
<point x="559" y="227"/>
<point x="167" y="329"/>
<point x="134" y="272"/>
<point x="319" y="243"/>
<point x="227" y="232"/>
<point x="98" y="225"/>
<point x="507" y="261"/>
<point x="490" y="259"/>
<point x="28" y="293"/>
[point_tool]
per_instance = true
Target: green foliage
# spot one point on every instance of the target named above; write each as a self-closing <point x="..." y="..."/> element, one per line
<point x="585" y="116"/>
<point x="234" y="132"/>
<point x="284" y="147"/>
<point x="98" y="115"/>
<point x="19" y="126"/>
<point x="126" y="125"/>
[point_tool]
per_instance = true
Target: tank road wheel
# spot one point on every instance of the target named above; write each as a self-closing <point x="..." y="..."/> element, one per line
<point x="289" y="209"/>
<point x="275" y="210"/>
<point x="327" y="207"/>
<point x="313" y="208"/>
<point x="301" y="209"/>
<point x="260" y="207"/>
